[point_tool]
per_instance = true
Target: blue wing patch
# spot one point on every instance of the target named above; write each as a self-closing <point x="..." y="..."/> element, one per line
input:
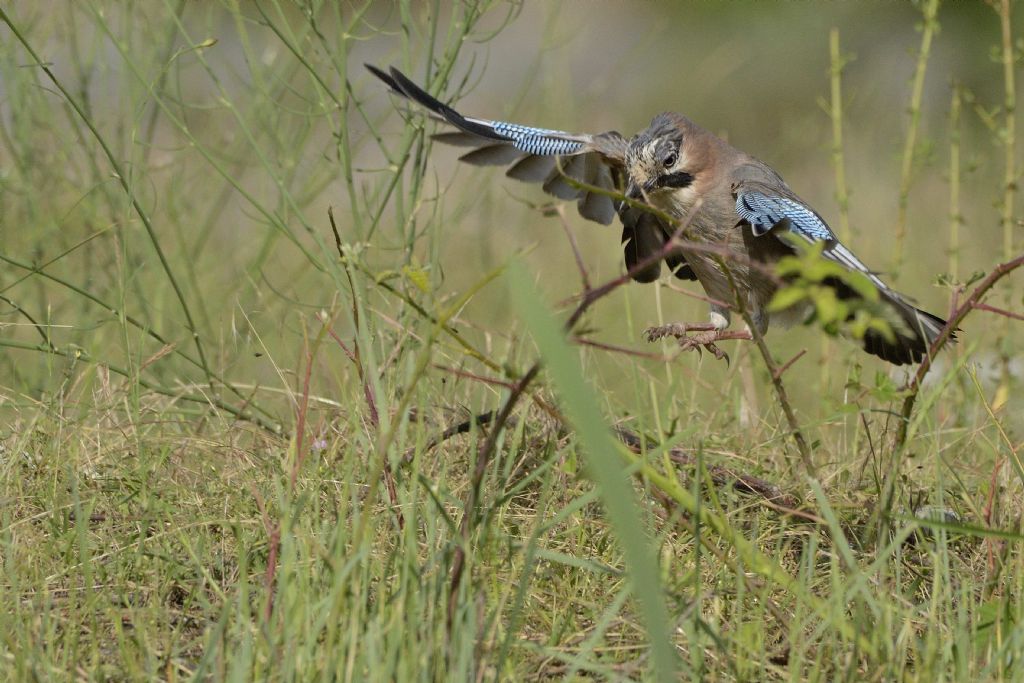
<point x="764" y="213"/>
<point x="534" y="140"/>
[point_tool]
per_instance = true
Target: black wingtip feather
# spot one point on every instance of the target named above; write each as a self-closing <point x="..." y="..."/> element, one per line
<point x="401" y="84"/>
<point x="384" y="77"/>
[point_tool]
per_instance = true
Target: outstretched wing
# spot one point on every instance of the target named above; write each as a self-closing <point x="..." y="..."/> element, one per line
<point x="551" y="157"/>
<point x="771" y="209"/>
<point x="560" y="161"/>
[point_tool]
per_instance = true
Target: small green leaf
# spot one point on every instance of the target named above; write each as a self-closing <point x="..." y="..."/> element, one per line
<point x="819" y="269"/>
<point x="828" y="306"/>
<point x="861" y="284"/>
<point x="418" y="276"/>
<point x="788" y="265"/>
<point x="385" y="275"/>
<point x="786" y="297"/>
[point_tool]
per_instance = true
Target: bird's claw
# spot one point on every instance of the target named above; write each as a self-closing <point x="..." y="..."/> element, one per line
<point x="703" y="340"/>
<point x="678" y="330"/>
<point x="693" y="337"/>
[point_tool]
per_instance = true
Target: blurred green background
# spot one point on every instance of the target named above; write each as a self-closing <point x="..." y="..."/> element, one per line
<point x="231" y="127"/>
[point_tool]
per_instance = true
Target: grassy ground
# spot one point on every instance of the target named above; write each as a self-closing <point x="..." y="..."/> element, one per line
<point x="269" y="391"/>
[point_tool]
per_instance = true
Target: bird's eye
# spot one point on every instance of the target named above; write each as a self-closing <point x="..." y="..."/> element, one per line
<point x="669" y="161"/>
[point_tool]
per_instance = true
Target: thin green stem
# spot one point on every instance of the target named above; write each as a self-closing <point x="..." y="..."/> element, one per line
<point x="928" y="29"/>
<point x="1009" y="138"/>
<point x="77" y="354"/>
<point x="122" y="177"/>
<point x="955" y="216"/>
<point x="134" y="322"/>
<point x="837" y="61"/>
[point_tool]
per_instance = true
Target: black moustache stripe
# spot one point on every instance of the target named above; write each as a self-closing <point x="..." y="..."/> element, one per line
<point x="677" y="180"/>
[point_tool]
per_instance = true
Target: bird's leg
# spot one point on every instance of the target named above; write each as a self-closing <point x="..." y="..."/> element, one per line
<point x="760" y="319"/>
<point x="700" y="335"/>
<point x="719" y="316"/>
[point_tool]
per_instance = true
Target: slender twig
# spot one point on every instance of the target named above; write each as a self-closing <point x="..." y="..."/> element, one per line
<point x="583" y="341"/>
<point x="870" y="456"/>
<point x="774" y="372"/>
<point x="788" y="364"/>
<point x="494" y="381"/>
<point x="721" y="476"/>
<point x="999" y="311"/>
<point x="40" y="328"/>
<point x="371" y="402"/>
<point x="273" y="529"/>
<point x="696" y="296"/>
<point x="344" y="347"/>
<point x="369" y="396"/>
<point x="787" y="407"/>
<point x="301" y="411"/>
<point x="560" y="212"/>
<point x="990" y="500"/>
<point x="1008" y="137"/>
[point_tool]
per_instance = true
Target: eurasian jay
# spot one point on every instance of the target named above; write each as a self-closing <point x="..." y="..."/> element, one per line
<point x="738" y="216"/>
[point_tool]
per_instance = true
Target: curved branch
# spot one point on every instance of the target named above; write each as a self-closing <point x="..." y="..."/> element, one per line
<point x="970" y="304"/>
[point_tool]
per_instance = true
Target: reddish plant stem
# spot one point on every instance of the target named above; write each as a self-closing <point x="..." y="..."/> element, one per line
<point x="972" y="302"/>
<point x="999" y="311"/>
<point x="300" y="421"/>
<point x="479" y="378"/>
<point x="583" y="341"/>
<point x="273" y="530"/>
<point x="788" y="364"/>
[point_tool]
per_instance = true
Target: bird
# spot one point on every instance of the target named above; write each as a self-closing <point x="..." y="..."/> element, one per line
<point x="737" y="216"/>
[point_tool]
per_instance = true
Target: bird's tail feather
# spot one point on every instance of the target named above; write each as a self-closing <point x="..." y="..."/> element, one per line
<point x="914" y="333"/>
<point x="913" y="330"/>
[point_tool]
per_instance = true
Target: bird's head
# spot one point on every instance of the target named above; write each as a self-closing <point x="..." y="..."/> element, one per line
<point x="665" y="160"/>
